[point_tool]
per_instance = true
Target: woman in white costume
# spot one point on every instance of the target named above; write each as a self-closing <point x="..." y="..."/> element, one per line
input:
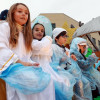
<point x="42" y="52"/>
<point x="24" y="79"/>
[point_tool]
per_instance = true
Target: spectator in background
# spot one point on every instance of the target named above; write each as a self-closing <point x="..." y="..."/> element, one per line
<point x="3" y="14"/>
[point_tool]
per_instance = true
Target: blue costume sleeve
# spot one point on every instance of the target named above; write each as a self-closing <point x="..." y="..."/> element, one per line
<point x="84" y="64"/>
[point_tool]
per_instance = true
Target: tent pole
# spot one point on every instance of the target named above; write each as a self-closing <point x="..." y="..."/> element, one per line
<point x="92" y="43"/>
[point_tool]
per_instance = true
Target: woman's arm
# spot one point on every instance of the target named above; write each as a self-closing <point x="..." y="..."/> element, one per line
<point x="27" y="63"/>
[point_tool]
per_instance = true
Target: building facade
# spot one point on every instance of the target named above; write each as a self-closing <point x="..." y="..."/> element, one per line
<point x="58" y="19"/>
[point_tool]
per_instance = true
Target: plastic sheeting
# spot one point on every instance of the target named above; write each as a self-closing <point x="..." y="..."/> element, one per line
<point x="91" y="26"/>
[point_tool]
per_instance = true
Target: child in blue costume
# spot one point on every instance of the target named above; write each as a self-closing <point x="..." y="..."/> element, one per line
<point x="61" y="56"/>
<point x="24" y="79"/>
<point x="78" y="48"/>
<point x="42" y="52"/>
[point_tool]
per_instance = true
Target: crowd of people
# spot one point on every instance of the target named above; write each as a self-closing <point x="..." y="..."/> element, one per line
<point x="36" y="65"/>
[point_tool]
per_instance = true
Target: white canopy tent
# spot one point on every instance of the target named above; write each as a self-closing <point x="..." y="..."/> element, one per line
<point x="90" y="27"/>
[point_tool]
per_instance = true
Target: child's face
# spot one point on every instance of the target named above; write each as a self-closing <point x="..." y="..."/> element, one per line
<point x="21" y="14"/>
<point x="83" y="48"/>
<point x="38" y="31"/>
<point x="62" y="40"/>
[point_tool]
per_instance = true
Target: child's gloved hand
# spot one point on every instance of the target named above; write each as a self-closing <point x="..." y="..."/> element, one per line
<point x="93" y="58"/>
<point x="73" y="57"/>
<point x="93" y="55"/>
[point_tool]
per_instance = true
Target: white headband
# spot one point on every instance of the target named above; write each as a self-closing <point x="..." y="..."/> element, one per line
<point x="84" y="43"/>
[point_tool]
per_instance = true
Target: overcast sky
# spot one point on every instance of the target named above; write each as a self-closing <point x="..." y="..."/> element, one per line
<point x="80" y="10"/>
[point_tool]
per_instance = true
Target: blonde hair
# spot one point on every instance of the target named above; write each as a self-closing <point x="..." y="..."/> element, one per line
<point x="14" y="34"/>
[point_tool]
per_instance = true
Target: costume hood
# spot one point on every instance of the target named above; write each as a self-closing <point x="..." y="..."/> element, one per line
<point x="75" y="42"/>
<point x="45" y="22"/>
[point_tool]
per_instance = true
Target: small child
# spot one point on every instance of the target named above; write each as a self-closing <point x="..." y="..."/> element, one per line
<point x="79" y="48"/>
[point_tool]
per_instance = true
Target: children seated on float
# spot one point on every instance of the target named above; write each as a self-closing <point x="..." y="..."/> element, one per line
<point x="61" y="55"/>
